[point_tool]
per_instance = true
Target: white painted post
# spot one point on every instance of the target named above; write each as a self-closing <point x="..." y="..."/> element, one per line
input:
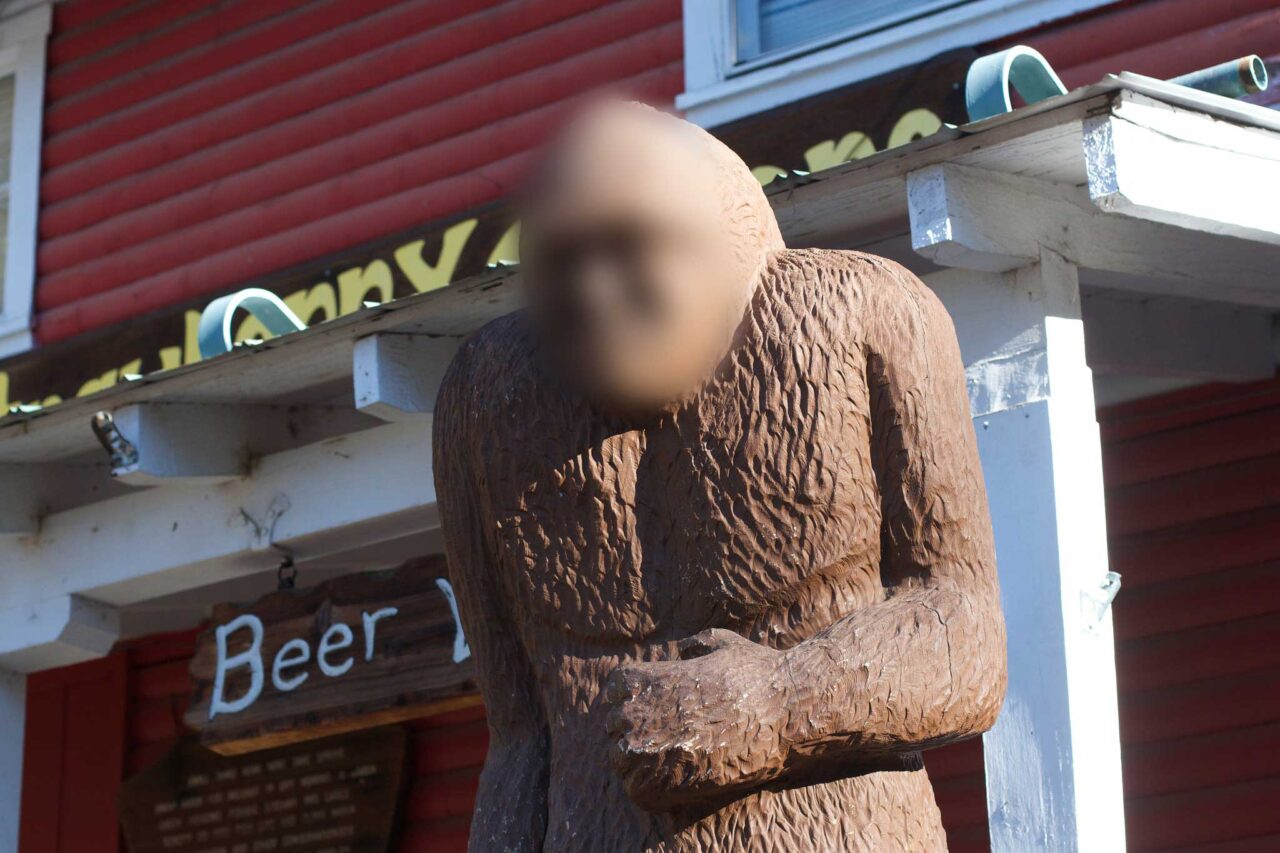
<point x="13" y="707"/>
<point x="1053" y="758"/>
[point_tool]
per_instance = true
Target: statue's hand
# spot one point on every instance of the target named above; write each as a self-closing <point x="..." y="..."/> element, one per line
<point x="702" y="727"/>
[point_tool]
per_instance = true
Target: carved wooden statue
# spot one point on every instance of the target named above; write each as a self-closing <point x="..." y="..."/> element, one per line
<point x="716" y="519"/>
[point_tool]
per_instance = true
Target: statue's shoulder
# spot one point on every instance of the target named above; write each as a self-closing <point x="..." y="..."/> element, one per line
<point x="490" y="369"/>
<point x="844" y="285"/>
<point x="852" y="273"/>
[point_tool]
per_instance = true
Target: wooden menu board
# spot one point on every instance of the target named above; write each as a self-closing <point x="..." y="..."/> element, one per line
<point x="335" y="795"/>
<point x="358" y="651"/>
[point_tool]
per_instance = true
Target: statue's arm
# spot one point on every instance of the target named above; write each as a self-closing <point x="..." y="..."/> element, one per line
<point x="511" y="804"/>
<point x="927" y="664"/>
<point x="923" y="667"/>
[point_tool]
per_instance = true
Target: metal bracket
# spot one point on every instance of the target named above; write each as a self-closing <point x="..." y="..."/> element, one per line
<point x="215" y="333"/>
<point x="121" y="451"/>
<point x="986" y="87"/>
<point x="1094" y="603"/>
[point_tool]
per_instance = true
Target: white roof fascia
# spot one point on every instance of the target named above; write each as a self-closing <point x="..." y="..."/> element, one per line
<point x="991" y="193"/>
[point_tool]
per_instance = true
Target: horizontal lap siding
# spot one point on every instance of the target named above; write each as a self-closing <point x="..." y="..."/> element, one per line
<point x="192" y="147"/>
<point x="73" y="757"/>
<point x="1195" y="531"/>
<point x="1161" y="38"/>
<point x="960" y="787"/>
<point x="446" y="750"/>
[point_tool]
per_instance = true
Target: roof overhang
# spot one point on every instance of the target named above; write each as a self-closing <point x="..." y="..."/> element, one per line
<point x="317" y="443"/>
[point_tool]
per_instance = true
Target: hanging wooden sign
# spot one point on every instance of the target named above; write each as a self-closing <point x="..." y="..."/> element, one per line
<point x="358" y="651"/>
<point x="337" y="794"/>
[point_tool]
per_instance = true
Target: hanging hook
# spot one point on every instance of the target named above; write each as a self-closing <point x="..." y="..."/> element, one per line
<point x="286" y="573"/>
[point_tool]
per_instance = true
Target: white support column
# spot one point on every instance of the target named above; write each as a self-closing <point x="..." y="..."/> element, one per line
<point x="13" y="710"/>
<point x="1053" y="758"/>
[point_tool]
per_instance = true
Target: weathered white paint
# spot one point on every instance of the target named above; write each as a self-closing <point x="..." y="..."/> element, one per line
<point x="984" y="220"/>
<point x="250" y="656"/>
<point x="337" y="637"/>
<point x="24" y="30"/>
<point x="19" y="504"/>
<point x="398" y="375"/>
<point x="182" y="441"/>
<point x="1001" y="369"/>
<point x="295" y="652"/>
<point x="461" y="649"/>
<point x="718" y="91"/>
<point x="1163" y="336"/>
<point x="1160" y="163"/>
<point x="13" y="715"/>
<point x="1053" y="759"/>
<point x="332" y="496"/>
<point x="56" y="631"/>
<point x="951" y="221"/>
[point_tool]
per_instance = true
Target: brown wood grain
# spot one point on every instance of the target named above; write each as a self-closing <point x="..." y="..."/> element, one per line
<point x="411" y="673"/>
<point x="334" y="794"/>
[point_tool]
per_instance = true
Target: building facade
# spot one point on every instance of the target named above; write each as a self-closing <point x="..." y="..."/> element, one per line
<point x="357" y="160"/>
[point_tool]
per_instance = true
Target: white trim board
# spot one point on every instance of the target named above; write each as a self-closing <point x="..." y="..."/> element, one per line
<point x="23" y="38"/>
<point x="716" y="93"/>
<point x="993" y="193"/>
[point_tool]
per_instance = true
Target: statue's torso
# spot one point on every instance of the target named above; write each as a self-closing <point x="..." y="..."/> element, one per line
<point x="753" y="508"/>
<point x="757" y="495"/>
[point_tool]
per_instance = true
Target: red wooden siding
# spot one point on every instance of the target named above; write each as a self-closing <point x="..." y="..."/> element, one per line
<point x="447" y="750"/>
<point x="192" y="147"/>
<point x="1160" y="38"/>
<point x="130" y="729"/>
<point x="1194" y="516"/>
<point x="960" y="787"/>
<point x="73" y="751"/>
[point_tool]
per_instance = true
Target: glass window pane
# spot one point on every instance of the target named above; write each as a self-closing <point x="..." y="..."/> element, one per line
<point x="4" y="235"/>
<point x="6" y="125"/>
<point x="765" y="26"/>
<point x="6" y="139"/>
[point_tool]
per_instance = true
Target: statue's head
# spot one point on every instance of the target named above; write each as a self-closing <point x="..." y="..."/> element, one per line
<point x="642" y="242"/>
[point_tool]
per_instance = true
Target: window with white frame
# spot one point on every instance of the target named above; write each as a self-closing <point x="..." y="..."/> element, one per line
<point x="769" y="29"/>
<point x="6" y="146"/>
<point x="24" y="29"/>
<point x="746" y="56"/>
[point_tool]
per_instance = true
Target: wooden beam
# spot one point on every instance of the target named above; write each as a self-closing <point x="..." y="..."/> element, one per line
<point x="954" y="224"/>
<point x="983" y="220"/>
<point x="1178" y="338"/>
<point x="398" y="375"/>
<point x="1151" y="161"/>
<point x="19" y="501"/>
<point x="56" y="631"/>
<point x="165" y="442"/>
<point x="198" y="534"/>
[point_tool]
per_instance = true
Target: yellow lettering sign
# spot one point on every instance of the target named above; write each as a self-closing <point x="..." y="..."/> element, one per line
<point x="852" y="146"/>
<point x="424" y="276"/>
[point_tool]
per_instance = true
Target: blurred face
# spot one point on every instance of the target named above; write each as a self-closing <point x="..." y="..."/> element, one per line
<point x="632" y="277"/>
